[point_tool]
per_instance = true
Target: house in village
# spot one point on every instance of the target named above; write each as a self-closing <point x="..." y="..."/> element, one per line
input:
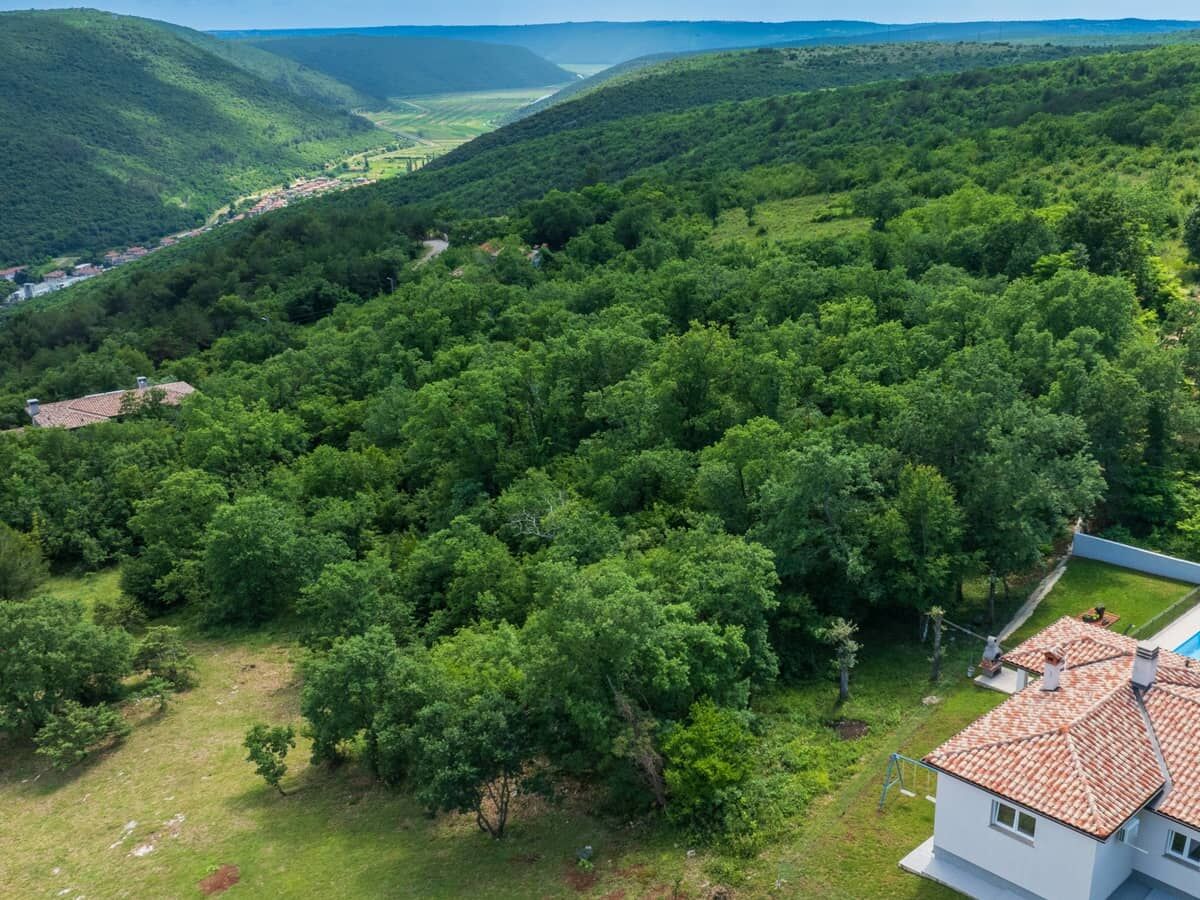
<point x="104" y="407"/>
<point x="1083" y="785"/>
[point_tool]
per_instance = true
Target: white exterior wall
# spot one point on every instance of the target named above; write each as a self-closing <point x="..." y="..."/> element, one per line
<point x="1058" y="864"/>
<point x="1114" y="863"/>
<point x="1155" y="863"/>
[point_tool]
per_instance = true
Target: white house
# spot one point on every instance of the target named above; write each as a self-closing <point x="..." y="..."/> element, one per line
<point x="1085" y="785"/>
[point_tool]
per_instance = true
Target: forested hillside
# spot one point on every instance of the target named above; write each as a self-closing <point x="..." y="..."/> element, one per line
<point x="663" y="85"/>
<point x="776" y="368"/>
<point x="278" y="69"/>
<point x="384" y="66"/>
<point x="116" y="130"/>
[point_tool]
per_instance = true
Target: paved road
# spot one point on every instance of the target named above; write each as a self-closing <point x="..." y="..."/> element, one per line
<point x="434" y="247"/>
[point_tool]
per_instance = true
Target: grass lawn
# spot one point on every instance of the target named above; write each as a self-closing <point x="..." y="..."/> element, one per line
<point x="1135" y="597"/>
<point x="181" y="779"/>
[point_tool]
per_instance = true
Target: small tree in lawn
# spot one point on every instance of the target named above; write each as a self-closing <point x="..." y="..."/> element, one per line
<point x="268" y="747"/>
<point x="936" y="615"/>
<point x="839" y="634"/>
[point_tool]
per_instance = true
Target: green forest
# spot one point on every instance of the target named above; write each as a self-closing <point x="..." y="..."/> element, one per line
<point x="115" y="130"/>
<point x="382" y="67"/>
<point x="578" y="511"/>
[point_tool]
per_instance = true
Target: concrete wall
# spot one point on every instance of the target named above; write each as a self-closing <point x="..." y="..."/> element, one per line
<point x="1089" y="547"/>
<point x="1114" y="862"/>
<point x="1058" y="864"/>
<point x="1154" y="862"/>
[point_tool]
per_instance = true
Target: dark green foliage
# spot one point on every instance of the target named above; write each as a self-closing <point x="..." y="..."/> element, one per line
<point x="115" y="130"/>
<point x="22" y="568"/>
<point x="74" y="731"/>
<point x="388" y="66"/>
<point x="119" y="611"/>
<point x="62" y="657"/>
<point x="268" y="748"/>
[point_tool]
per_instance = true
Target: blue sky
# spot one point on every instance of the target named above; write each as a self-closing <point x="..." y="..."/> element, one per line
<point x="296" y="13"/>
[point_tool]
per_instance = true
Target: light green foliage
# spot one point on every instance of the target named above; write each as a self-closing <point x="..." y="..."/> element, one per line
<point x="267" y="748"/>
<point x="57" y="656"/>
<point x="74" y="731"/>
<point x="709" y="763"/>
<point x="22" y="568"/>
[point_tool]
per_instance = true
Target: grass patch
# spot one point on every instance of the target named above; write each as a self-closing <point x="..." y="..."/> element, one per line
<point x="102" y="585"/>
<point x="795" y="218"/>
<point x="444" y="121"/>
<point x="1135" y="597"/>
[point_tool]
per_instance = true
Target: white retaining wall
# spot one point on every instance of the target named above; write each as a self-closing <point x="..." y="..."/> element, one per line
<point x="1088" y="547"/>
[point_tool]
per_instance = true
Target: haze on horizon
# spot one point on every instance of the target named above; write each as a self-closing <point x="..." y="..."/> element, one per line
<point x="233" y="14"/>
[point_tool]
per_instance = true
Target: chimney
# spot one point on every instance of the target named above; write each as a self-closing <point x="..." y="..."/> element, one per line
<point x="32" y="407"/>
<point x="1145" y="665"/>
<point x="1022" y="680"/>
<point x="143" y="382"/>
<point x="1053" y="669"/>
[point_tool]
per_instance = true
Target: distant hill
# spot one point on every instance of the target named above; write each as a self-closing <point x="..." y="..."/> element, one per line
<point x="385" y="66"/>
<point x="668" y="82"/>
<point x="614" y="42"/>
<point x="116" y="130"/>
<point x="279" y="70"/>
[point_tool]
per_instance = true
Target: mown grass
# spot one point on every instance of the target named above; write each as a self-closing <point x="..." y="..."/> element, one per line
<point x="338" y="833"/>
<point x="1135" y="597"/>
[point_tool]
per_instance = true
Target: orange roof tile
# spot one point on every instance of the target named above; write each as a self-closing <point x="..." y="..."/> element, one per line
<point x="1087" y="754"/>
<point x="101" y="407"/>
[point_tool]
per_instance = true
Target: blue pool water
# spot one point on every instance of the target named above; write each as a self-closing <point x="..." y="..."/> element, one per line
<point x="1190" y="647"/>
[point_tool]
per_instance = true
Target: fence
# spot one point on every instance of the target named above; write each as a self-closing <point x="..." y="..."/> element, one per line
<point x="1088" y="547"/>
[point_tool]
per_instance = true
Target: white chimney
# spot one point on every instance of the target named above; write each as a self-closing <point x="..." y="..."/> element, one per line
<point x="1022" y="680"/>
<point x="32" y="407"/>
<point x="143" y="382"/>
<point x="1145" y="665"/>
<point x="1053" y="668"/>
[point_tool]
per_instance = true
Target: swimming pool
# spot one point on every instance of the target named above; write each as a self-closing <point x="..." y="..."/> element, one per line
<point x="1190" y="647"/>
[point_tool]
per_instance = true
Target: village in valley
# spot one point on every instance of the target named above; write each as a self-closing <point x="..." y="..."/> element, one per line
<point x="28" y="286"/>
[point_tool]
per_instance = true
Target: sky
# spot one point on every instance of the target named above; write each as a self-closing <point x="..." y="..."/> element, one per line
<point x="208" y="14"/>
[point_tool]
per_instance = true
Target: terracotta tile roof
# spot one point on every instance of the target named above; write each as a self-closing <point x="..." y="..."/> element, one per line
<point x="1087" y="754"/>
<point x="101" y="407"/>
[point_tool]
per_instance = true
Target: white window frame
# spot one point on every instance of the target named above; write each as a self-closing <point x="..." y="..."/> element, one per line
<point x="1191" y="845"/>
<point x="1015" y="828"/>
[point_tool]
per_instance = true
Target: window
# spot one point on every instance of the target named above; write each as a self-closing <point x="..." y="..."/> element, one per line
<point x="1009" y="818"/>
<point x="1180" y="846"/>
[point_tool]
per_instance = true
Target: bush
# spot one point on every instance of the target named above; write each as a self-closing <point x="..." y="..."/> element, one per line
<point x="708" y="766"/>
<point x="121" y="611"/>
<point x="163" y="654"/>
<point x="22" y="568"/>
<point x="268" y="747"/>
<point x="74" y="731"/>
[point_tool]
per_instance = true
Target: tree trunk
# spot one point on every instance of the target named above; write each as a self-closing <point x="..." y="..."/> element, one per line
<point x="992" y="597"/>
<point x="844" y="684"/>
<point x="936" y="673"/>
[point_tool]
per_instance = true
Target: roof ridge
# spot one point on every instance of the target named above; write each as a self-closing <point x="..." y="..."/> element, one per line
<point x="975" y="748"/>
<point x="1081" y="773"/>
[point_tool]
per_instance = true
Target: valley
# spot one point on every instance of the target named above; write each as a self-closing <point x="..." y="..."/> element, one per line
<point x="533" y="485"/>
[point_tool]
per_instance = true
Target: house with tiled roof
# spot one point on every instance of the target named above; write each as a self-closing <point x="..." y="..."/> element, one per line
<point x="1083" y="785"/>
<point x="104" y="407"/>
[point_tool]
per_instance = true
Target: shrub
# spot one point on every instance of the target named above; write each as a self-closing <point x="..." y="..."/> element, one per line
<point x="708" y="766"/>
<point x="164" y="655"/>
<point x="22" y="568"/>
<point x="74" y="731"/>
<point x="121" y="611"/>
<point x="267" y="748"/>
